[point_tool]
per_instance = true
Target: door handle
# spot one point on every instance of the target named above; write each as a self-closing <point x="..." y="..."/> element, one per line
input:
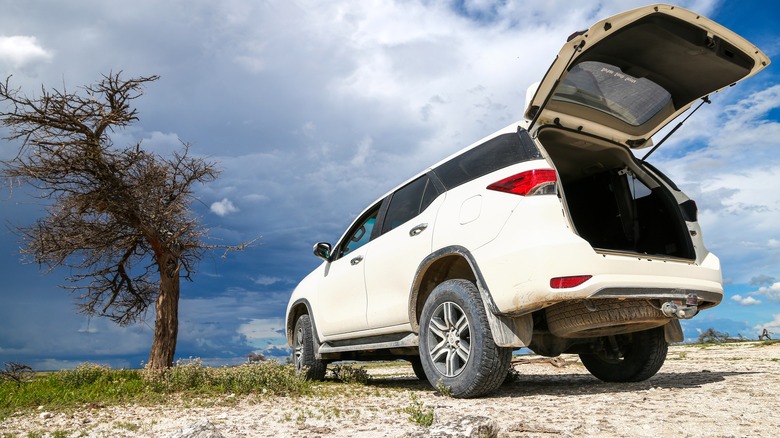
<point x="356" y="260"/>
<point x="417" y="230"/>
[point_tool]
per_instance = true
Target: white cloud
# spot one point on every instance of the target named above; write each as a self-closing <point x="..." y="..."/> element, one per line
<point x="255" y="197"/>
<point x="261" y="333"/>
<point x="762" y="279"/>
<point x="266" y="280"/>
<point x="19" y="50"/>
<point x="363" y="152"/>
<point x="772" y="292"/>
<point x="727" y="161"/>
<point x="223" y="207"/>
<point x="773" y="325"/>
<point x="745" y="301"/>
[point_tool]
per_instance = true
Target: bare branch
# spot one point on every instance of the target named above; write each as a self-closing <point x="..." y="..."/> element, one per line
<point x="120" y="218"/>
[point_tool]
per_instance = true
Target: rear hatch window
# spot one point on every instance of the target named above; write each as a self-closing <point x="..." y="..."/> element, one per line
<point x="606" y="88"/>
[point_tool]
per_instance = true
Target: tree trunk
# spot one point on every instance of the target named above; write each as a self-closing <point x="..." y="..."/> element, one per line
<point x="166" y="325"/>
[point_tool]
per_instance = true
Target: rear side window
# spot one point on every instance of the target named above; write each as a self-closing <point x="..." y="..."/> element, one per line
<point x="409" y="201"/>
<point x="488" y="157"/>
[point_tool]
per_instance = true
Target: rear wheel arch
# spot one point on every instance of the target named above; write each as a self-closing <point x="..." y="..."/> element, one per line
<point x="445" y="264"/>
<point x="457" y="263"/>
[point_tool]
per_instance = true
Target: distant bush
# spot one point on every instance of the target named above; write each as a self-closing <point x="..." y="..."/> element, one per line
<point x="85" y="374"/>
<point x="711" y="335"/>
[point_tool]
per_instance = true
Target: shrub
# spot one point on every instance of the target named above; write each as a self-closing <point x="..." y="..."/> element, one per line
<point x="85" y="374"/>
<point x="443" y="389"/>
<point x="191" y="375"/>
<point x="268" y="376"/>
<point x="418" y="413"/>
<point x="350" y="374"/>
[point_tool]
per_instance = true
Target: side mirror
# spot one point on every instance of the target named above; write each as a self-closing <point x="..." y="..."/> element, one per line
<point x="322" y="250"/>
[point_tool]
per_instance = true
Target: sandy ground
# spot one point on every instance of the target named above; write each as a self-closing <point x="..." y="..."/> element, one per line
<point x="720" y="391"/>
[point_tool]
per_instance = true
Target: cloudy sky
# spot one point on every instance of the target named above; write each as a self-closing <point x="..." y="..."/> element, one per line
<point x="313" y="109"/>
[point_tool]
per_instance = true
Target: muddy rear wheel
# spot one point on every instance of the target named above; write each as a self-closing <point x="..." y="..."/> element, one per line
<point x="456" y="345"/>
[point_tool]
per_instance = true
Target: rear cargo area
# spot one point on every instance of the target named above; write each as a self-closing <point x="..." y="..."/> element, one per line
<point x="613" y="202"/>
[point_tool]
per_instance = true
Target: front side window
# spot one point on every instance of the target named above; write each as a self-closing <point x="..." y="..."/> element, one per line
<point x="360" y="234"/>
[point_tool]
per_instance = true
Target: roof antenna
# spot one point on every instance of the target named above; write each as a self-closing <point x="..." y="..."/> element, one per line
<point x="705" y="99"/>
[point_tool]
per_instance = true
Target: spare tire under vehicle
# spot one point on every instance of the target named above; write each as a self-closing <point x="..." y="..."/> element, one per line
<point x="602" y="317"/>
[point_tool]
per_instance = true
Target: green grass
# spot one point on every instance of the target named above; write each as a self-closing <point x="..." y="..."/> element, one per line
<point x="768" y="342"/>
<point x="92" y="384"/>
<point x="418" y="413"/>
<point x="89" y="384"/>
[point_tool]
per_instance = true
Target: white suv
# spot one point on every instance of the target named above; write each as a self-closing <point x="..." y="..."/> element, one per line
<point x="548" y="234"/>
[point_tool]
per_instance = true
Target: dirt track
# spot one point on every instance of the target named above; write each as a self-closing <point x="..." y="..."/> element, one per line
<point x="726" y="391"/>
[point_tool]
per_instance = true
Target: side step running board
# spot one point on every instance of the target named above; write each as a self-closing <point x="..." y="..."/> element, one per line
<point x="410" y="340"/>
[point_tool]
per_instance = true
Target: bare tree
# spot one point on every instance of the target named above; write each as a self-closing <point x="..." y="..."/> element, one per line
<point x="255" y="357"/>
<point x="120" y="217"/>
<point x="17" y="373"/>
<point x="712" y="335"/>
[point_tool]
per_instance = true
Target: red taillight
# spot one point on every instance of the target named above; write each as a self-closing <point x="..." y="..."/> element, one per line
<point x="567" y="282"/>
<point x="528" y="183"/>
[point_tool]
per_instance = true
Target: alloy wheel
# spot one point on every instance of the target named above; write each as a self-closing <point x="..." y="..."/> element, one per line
<point x="449" y="336"/>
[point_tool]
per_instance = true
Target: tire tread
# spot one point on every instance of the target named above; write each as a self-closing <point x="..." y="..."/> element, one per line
<point x="574" y="318"/>
<point x="495" y="360"/>
<point x="316" y="369"/>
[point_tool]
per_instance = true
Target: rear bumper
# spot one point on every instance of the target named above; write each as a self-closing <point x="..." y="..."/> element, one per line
<point x="517" y="272"/>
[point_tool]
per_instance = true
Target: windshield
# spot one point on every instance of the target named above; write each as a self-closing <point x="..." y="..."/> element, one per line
<point x="606" y="88"/>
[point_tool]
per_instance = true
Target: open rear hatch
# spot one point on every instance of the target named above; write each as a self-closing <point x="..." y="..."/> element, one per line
<point x="629" y="75"/>
<point x="609" y="90"/>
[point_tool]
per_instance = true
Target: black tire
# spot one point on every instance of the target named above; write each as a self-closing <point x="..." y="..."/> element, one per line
<point x="303" y="350"/>
<point x="417" y="366"/>
<point x="456" y="345"/>
<point x="602" y="317"/>
<point x="632" y="357"/>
